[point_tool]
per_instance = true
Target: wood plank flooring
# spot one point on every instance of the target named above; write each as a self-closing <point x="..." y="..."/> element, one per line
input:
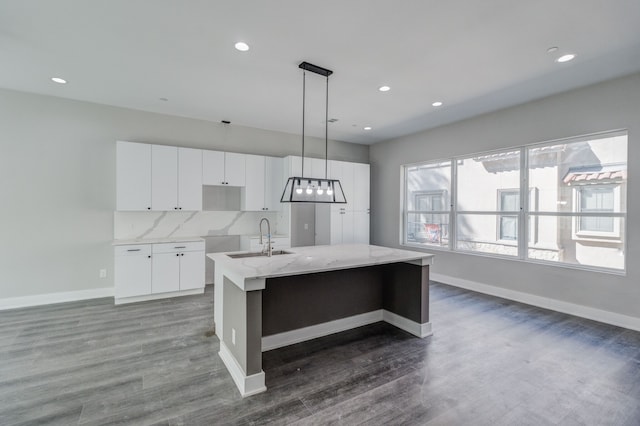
<point x="489" y="362"/>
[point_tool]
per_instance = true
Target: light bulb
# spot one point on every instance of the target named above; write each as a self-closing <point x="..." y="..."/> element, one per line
<point x="298" y="190"/>
<point x="309" y="190"/>
<point x="319" y="191"/>
<point x="329" y="191"/>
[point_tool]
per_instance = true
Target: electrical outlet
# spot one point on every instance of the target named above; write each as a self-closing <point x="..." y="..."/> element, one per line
<point x="103" y="273"/>
<point x="233" y="336"/>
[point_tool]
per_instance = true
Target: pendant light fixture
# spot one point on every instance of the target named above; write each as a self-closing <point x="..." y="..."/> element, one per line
<point x="302" y="189"/>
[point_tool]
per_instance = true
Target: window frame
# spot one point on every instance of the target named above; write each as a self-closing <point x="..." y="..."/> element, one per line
<point x="527" y="218"/>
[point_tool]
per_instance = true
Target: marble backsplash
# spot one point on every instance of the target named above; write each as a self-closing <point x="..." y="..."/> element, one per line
<point x="146" y="225"/>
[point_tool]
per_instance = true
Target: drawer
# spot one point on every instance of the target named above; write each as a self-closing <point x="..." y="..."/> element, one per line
<point x="133" y="250"/>
<point x="178" y="247"/>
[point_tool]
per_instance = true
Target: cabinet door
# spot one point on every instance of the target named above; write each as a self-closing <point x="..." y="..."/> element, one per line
<point x="191" y="270"/>
<point x="361" y="187"/>
<point x="234" y="169"/>
<point x="164" y="177"/>
<point x="165" y="272"/>
<point x="189" y="179"/>
<point x="253" y="193"/>
<point x="317" y="168"/>
<point x="348" y="224"/>
<point x="361" y="227"/>
<point x="212" y="167"/>
<point x="295" y="166"/>
<point x="336" y="226"/>
<point x="344" y="172"/>
<point x="133" y="176"/>
<point x="132" y="275"/>
<point x="274" y="172"/>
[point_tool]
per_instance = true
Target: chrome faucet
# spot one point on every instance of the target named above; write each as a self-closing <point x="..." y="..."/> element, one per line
<point x="268" y="235"/>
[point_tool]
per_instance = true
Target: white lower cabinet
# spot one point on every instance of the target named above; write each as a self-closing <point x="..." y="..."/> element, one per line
<point x="153" y="269"/>
<point x="132" y="275"/>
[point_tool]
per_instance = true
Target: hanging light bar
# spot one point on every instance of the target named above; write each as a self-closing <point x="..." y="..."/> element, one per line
<point x="301" y="189"/>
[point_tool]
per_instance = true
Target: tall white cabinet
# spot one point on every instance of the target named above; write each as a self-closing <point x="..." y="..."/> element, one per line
<point x="346" y="223"/>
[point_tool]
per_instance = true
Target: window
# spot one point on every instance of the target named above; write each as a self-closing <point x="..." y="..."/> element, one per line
<point x="510" y="202"/>
<point x="488" y="205"/>
<point x="571" y="211"/>
<point x="427" y="203"/>
<point x="595" y="200"/>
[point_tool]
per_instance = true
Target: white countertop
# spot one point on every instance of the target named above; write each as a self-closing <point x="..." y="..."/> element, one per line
<point x="156" y="240"/>
<point x="311" y="259"/>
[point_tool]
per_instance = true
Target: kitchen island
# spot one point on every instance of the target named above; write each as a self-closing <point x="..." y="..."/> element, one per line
<point x="262" y="303"/>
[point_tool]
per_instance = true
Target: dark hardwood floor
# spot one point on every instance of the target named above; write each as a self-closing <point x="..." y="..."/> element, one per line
<point x="489" y="362"/>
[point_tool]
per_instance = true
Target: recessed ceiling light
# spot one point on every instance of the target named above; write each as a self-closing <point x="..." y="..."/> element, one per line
<point x="566" y="58"/>
<point x="242" y="46"/>
<point x="367" y="128"/>
<point x="384" y="88"/>
<point x="437" y="104"/>
<point x="59" y="80"/>
<point x="552" y="49"/>
<point x="163" y="99"/>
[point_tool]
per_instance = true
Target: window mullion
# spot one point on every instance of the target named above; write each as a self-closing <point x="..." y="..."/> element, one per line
<point x="453" y="205"/>
<point x="523" y="218"/>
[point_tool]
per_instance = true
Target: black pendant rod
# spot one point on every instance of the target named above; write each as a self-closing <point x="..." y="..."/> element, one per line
<point x="304" y="75"/>
<point x="326" y="132"/>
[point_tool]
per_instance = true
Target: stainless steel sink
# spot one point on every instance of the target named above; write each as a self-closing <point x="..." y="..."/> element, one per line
<point x="258" y="254"/>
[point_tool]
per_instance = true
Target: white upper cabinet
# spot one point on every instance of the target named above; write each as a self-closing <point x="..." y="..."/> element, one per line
<point x="253" y="192"/>
<point x="133" y="176"/>
<point x="213" y="168"/>
<point x="235" y="169"/>
<point x="164" y="178"/>
<point x="223" y="168"/>
<point x="189" y="179"/>
<point x="157" y="177"/>
<point x="263" y="185"/>
<point x="274" y="177"/>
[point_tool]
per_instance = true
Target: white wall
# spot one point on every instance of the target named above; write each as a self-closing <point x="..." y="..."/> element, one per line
<point x="57" y="182"/>
<point x="606" y="106"/>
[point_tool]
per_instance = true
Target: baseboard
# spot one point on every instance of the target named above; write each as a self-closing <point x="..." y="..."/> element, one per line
<point x="587" y="312"/>
<point x="312" y="332"/>
<point x="133" y="299"/>
<point x="247" y="385"/>
<point x="417" y="329"/>
<point x="319" y="330"/>
<point x="51" y="298"/>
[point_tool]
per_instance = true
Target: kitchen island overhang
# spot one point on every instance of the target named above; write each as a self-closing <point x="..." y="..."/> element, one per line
<point x="262" y="303"/>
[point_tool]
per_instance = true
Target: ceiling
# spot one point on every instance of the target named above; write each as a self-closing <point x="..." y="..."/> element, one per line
<point x="475" y="56"/>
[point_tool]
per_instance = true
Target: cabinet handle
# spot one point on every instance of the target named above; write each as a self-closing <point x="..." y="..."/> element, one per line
<point x="177" y="254"/>
<point x="179" y="208"/>
<point x="181" y="254"/>
<point x="148" y="208"/>
<point x="149" y="256"/>
<point x="133" y="250"/>
<point x="180" y="247"/>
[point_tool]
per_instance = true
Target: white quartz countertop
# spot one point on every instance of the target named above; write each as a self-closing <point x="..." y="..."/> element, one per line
<point x="311" y="259"/>
<point x="156" y="240"/>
